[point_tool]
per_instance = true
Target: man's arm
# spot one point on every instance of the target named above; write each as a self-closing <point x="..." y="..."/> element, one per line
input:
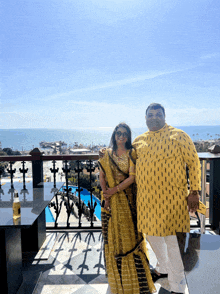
<point x="192" y="160"/>
<point x="102" y="152"/>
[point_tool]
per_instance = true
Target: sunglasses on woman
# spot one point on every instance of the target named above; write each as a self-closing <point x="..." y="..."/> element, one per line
<point x="124" y="135"/>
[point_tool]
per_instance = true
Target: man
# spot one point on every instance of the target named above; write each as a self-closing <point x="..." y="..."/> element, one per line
<point x="162" y="155"/>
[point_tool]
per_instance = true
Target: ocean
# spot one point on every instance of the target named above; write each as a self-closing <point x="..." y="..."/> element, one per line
<point x="27" y="139"/>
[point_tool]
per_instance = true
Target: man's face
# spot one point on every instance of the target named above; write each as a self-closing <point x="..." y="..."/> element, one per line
<point x="155" y="119"/>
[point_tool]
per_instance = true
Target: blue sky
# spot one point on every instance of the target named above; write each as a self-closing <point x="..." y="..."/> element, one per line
<point x="93" y="63"/>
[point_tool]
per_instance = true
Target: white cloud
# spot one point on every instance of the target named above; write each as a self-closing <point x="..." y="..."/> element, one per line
<point x="7" y="112"/>
<point x="193" y="116"/>
<point x="210" y="55"/>
<point x="111" y="11"/>
<point x="116" y="83"/>
<point x="89" y="114"/>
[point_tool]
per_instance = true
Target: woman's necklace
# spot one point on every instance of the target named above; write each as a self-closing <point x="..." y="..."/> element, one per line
<point x="119" y="157"/>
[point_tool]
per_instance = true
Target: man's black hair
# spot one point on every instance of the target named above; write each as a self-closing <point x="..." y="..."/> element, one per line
<point x="155" y="106"/>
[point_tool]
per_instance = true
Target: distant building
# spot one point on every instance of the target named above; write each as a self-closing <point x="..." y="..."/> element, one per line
<point x="80" y="151"/>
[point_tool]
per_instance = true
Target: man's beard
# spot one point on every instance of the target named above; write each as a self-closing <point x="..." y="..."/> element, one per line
<point x="155" y="124"/>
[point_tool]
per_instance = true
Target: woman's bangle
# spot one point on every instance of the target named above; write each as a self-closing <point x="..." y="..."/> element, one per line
<point x="118" y="189"/>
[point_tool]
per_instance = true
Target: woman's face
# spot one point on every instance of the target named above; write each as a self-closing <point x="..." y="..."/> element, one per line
<point x="121" y="136"/>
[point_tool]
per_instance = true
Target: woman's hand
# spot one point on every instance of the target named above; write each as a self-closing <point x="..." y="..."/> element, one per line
<point x="107" y="194"/>
<point x="107" y="204"/>
<point x="110" y="191"/>
<point x="107" y="198"/>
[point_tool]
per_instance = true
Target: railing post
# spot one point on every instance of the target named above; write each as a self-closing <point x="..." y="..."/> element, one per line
<point x="69" y="206"/>
<point x="214" y="200"/>
<point x="91" y="206"/>
<point x="78" y="170"/>
<point x="23" y="171"/>
<point x="35" y="235"/>
<point x="203" y="194"/>
<point x="11" y="171"/>
<point x="37" y="168"/>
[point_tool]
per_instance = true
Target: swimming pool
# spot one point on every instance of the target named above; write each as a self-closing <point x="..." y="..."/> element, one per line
<point x="49" y="216"/>
<point x="85" y="196"/>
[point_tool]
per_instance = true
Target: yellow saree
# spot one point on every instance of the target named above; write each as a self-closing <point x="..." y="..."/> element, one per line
<point x="125" y="249"/>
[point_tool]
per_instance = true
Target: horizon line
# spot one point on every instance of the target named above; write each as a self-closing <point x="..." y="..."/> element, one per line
<point x="101" y="128"/>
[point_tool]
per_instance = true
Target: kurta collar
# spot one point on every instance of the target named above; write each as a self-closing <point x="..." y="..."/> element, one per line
<point x="164" y="128"/>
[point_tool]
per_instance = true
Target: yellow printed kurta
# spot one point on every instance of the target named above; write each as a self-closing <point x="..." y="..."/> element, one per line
<point x="161" y="180"/>
<point x="125" y="249"/>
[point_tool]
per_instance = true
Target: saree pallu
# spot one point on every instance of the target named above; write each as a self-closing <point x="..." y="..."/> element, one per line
<point x="125" y="251"/>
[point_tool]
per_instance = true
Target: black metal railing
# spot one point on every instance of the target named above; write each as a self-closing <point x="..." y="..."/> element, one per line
<point x="65" y="196"/>
<point x="210" y="166"/>
<point x="74" y="203"/>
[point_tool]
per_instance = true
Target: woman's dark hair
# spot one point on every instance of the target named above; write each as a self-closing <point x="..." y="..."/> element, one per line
<point x="113" y="143"/>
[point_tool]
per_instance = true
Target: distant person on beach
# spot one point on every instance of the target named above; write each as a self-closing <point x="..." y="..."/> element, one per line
<point x="162" y="155"/>
<point x="125" y="250"/>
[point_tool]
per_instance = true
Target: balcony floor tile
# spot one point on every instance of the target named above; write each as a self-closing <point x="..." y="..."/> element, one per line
<point x="75" y="265"/>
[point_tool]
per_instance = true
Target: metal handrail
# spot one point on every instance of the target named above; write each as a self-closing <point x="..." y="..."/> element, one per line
<point x="93" y="156"/>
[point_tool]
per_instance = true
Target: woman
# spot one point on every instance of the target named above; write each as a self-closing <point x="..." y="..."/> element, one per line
<point x="125" y="249"/>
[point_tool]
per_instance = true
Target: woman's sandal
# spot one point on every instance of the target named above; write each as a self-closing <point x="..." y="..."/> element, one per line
<point x="156" y="277"/>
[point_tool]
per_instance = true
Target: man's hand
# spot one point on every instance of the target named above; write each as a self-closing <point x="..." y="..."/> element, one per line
<point x="193" y="201"/>
<point x="102" y="152"/>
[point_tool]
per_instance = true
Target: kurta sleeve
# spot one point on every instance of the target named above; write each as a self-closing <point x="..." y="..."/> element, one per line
<point x="191" y="158"/>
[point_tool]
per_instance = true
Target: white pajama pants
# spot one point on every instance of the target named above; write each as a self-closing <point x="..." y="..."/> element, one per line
<point x="169" y="260"/>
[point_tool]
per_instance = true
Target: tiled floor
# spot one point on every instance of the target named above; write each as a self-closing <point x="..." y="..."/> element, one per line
<point x="71" y="262"/>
